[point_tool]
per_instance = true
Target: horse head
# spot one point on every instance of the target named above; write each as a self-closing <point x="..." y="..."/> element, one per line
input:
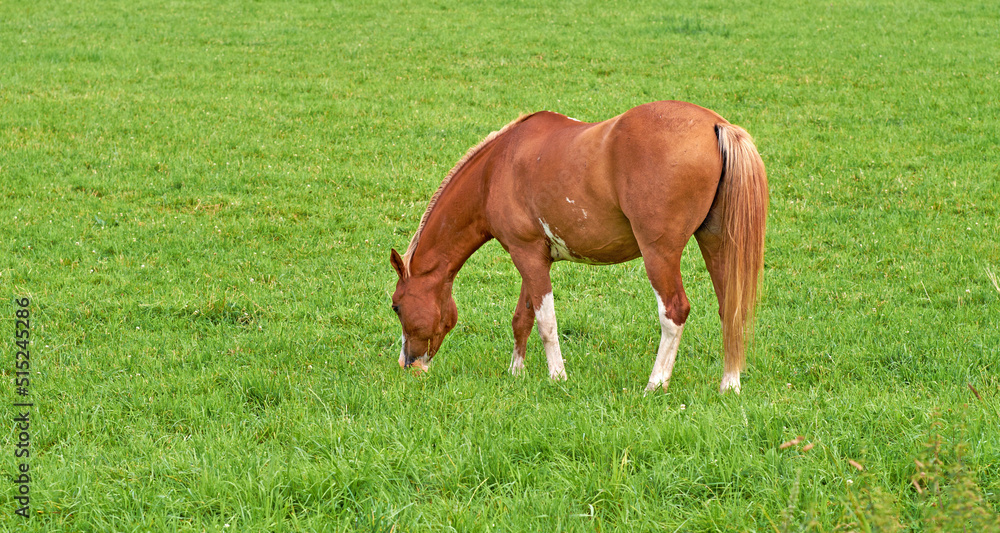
<point x="426" y="311"/>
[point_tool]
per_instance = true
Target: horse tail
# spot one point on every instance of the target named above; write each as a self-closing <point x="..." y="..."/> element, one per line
<point x="743" y="199"/>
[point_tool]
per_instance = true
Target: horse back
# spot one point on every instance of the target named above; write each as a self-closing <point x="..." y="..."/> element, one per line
<point x="587" y="185"/>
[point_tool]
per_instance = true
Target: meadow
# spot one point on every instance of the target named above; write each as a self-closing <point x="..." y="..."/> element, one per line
<point x="199" y="199"/>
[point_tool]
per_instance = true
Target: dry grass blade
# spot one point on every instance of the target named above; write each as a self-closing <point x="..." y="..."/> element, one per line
<point x="793" y="442"/>
<point x="993" y="279"/>
<point x="974" y="391"/>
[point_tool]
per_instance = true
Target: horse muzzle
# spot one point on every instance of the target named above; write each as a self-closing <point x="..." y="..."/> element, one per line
<point x="421" y="363"/>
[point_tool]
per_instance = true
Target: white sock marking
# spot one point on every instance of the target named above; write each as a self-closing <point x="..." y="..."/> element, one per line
<point x="666" y="355"/>
<point x="516" y="363"/>
<point x="730" y="382"/>
<point x="549" y="332"/>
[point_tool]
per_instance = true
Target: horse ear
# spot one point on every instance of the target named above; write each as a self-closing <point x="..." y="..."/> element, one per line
<point x="397" y="263"/>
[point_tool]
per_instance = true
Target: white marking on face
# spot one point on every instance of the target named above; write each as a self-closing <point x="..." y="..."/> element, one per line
<point x="402" y="351"/>
<point x="570" y="201"/>
<point x="666" y="355"/>
<point x="545" y="314"/>
<point x="584" y="213"/>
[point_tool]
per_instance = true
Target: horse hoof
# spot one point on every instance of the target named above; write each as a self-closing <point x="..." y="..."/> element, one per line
<point x="516" y="364"/>
<point x="730" y="383"/>
<point x="651" y="387"/>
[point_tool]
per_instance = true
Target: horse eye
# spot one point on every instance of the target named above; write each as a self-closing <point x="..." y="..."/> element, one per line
<point x="395" y="309"/>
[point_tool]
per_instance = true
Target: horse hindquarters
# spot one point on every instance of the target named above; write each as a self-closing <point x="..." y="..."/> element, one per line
<point x="667" y="173"/>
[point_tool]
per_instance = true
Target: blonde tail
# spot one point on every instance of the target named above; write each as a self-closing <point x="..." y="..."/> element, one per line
<point x="744" y="199"/>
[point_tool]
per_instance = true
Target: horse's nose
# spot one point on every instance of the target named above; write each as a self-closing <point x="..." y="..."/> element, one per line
<point x="406" y="361"/>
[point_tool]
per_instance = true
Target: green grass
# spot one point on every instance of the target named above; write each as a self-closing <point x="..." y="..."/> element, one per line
<point x="200" y="199"/>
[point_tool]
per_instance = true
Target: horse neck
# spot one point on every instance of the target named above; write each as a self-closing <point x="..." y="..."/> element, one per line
<point x="455" y="229"/>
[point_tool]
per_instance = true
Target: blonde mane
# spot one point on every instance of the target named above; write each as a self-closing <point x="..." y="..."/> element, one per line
<point x="408" y="256"/>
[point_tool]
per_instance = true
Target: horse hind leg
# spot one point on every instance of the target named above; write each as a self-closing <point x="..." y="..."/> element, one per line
<point x="709" y="239"/>
<point x="672" y="310"/>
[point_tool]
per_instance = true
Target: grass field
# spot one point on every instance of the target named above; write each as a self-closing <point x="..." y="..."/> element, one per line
<point x="199" y="199"/>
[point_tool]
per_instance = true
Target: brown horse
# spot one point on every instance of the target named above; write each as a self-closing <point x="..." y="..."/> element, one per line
<point x="552" y="188"/>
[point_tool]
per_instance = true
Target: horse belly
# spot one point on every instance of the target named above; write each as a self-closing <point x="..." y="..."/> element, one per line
<point x="600" y="241"/>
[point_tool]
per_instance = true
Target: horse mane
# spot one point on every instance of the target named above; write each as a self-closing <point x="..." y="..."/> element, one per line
<point x="408" y="255"/>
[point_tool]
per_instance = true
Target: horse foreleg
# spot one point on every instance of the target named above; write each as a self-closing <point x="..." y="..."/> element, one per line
<point x="672" y="309"/>
<point x="524" y="321"/>
<point x="536" y="296"/>
<point x="545" y="313"/>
